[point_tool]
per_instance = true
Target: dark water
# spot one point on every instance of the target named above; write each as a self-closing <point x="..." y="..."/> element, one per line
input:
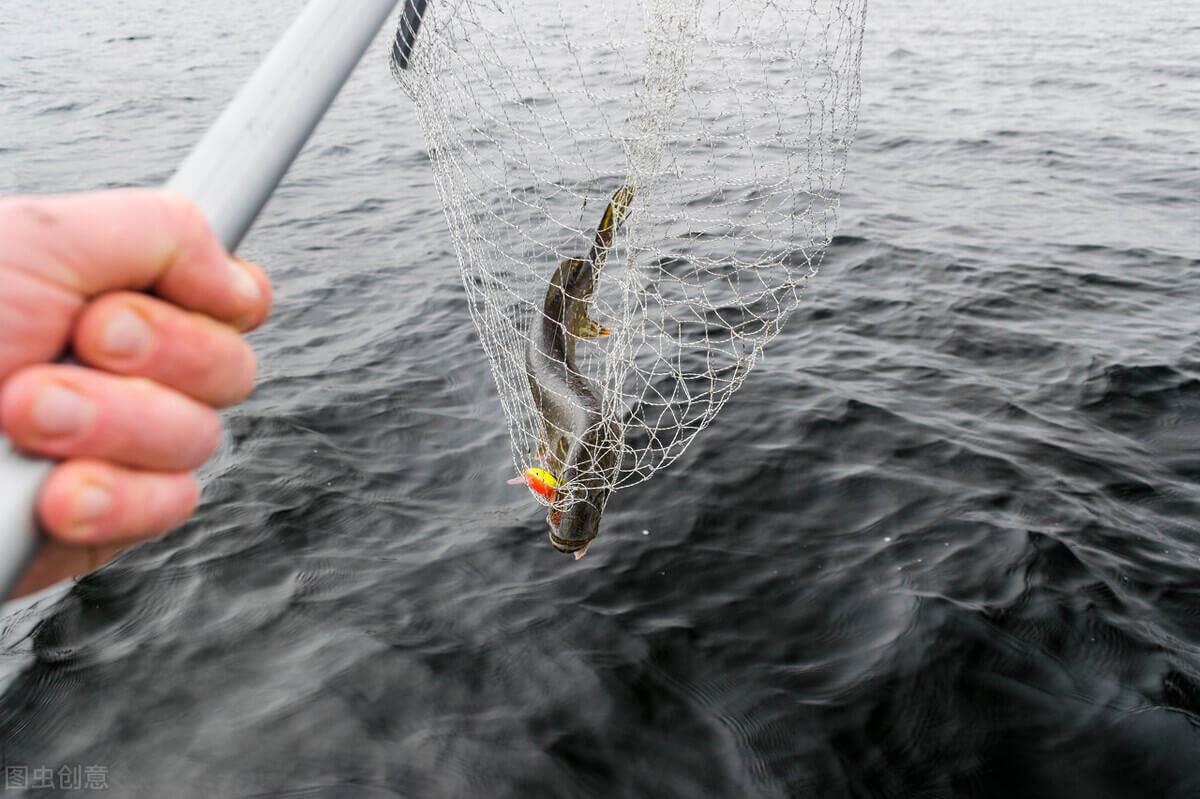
<point x="944" y="543"/>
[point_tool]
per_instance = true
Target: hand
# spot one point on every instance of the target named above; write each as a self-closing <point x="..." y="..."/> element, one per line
<point x="132" y="423"/>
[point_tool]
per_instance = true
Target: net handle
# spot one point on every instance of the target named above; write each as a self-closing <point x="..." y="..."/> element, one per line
<point x="229" y="174"/>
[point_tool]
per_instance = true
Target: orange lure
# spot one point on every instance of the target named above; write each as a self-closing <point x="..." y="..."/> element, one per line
<point x="539" y="481"/>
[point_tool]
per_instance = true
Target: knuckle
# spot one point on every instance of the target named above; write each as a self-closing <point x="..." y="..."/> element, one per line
<point x="184" y="217"/>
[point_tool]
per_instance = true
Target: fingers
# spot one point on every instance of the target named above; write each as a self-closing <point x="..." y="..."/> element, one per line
<point x="262" y="308"/>
<point x="134" y="334"/>
<point x="131" y="239"/>
<point x="96" y="503"/>
<point x="92" y="510"/>
<point x="71" y="412"/>
<point x="130" y="429"/>
<point x="204" y="291"/>
<point x="35" y="318"/>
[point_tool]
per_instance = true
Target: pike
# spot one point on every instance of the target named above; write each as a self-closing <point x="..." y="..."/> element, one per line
<point x="580" y="450"/>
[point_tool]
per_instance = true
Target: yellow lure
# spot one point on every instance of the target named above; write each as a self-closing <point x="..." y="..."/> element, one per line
<point x="542" y="482"/>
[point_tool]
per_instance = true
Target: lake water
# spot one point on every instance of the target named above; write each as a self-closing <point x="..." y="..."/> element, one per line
<point x="945" y="542"/>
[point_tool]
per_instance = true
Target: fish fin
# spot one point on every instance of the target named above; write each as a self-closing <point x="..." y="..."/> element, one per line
<point x="579" y="553"/>
<point x="593" y="329"/>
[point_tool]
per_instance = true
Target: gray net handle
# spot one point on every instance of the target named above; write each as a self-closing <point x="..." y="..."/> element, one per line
<point x="230" y="175"/>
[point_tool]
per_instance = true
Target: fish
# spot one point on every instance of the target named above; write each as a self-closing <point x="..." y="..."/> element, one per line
<point x="580" y="451"/>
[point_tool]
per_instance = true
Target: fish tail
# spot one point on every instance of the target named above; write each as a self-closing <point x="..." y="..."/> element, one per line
<point x="577" y="277"/>
<point x="606" y="231"/>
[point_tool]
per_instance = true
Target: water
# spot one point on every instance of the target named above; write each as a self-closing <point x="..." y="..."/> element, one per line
<point x="944" y="542"/>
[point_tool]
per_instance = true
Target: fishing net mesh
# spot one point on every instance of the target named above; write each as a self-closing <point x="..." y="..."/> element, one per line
<point x="731" y="120"/>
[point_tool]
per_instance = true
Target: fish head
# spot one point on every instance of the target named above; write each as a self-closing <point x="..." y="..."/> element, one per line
<point x="574" y="527"/>
<point x="586" y="481"/>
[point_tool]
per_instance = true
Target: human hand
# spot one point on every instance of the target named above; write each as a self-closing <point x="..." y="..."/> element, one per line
<point x="132" y="423"/>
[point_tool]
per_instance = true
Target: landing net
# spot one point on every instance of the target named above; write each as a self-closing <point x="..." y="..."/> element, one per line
<point x="731" y="119"/>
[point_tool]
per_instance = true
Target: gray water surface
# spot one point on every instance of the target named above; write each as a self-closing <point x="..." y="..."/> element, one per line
<point x="943" y="543"/>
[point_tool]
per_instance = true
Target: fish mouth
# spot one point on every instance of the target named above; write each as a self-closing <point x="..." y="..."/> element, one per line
<point x="569" y="546"/>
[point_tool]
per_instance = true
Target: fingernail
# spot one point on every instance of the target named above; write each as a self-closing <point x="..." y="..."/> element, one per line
<point x="59" y="411"/>
<point x="92" y="504"/>
<point x="126" y="334"/>
<point x="244" y="285"/>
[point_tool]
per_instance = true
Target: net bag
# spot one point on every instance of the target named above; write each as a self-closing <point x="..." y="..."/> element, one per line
<point x="714" y="136"/>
